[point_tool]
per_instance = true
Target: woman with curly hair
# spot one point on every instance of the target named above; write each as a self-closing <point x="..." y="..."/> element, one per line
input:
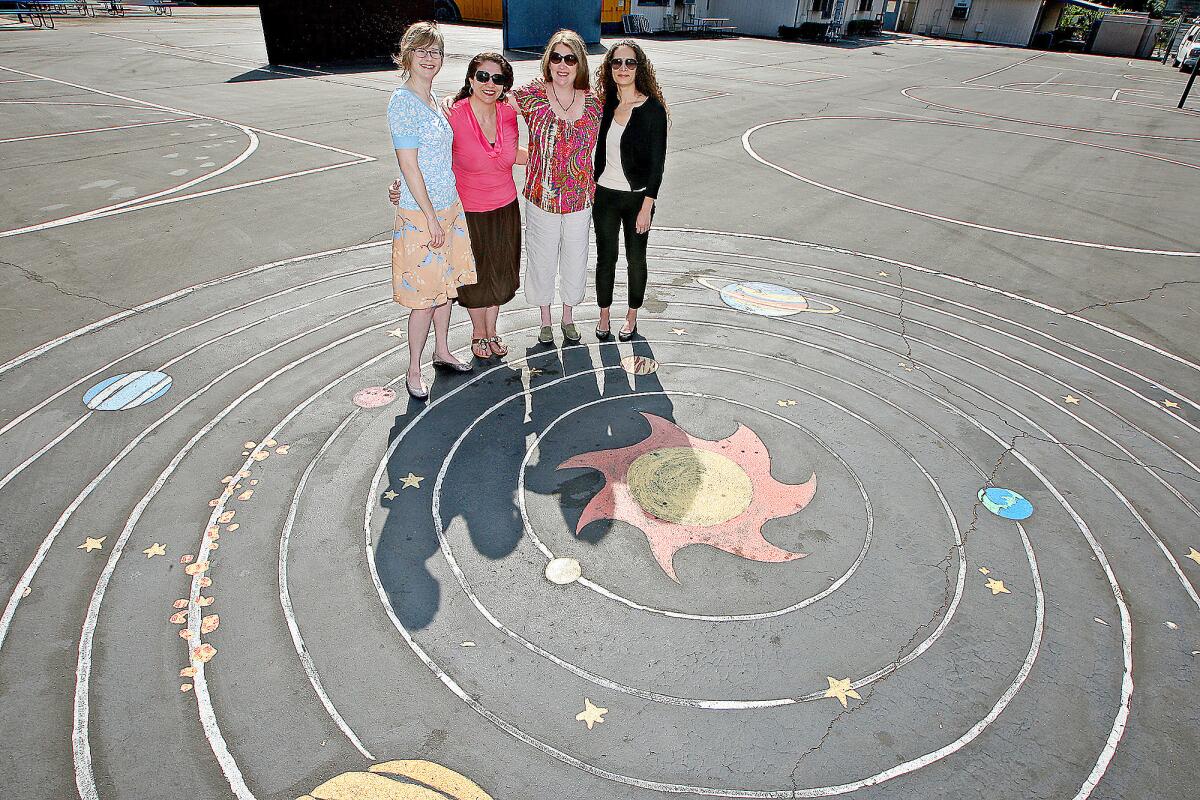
<point x="630" y="157"/>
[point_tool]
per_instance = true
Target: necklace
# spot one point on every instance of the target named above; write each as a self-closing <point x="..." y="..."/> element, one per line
<point x="565" y="109"/>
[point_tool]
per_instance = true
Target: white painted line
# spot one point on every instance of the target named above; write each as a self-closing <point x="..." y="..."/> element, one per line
<point x="148" y="104"/>
<point x="167" y="298"/>
<point x="993" y="290"/>
<point x="900" y="769"/>
<point x="138" y="203"/>
<point x="92" y="130"/>
<point x="918" y="64"/>
<point x="965" y="223"/>
<point x="908" y="93"/>
<point x="85" y="779"/>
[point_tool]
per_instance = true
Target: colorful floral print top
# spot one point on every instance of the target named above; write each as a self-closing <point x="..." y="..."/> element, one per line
<point x="559" y="176"/>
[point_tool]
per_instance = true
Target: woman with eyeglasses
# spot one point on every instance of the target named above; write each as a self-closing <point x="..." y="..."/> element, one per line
<point x="484" y="152"/>
<point x="431" y="249"/>
<point x="630" y="159"/>
<point x="563" y="117"/>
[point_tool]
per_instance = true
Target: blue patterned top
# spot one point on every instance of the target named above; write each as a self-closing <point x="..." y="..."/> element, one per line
<point x="416" y="126"/>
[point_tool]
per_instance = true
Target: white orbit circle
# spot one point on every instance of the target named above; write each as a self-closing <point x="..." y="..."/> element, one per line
<point x="611" y="595"/>
<point x="460" y="576"/>
<point x="953" y="220"/>
<point x="901" y="769"/>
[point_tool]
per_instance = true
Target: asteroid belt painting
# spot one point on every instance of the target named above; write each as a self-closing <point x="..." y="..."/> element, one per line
<point x="681" y="490"/>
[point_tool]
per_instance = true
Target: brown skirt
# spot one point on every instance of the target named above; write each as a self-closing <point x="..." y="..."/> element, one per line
<point x="496" y="243"/>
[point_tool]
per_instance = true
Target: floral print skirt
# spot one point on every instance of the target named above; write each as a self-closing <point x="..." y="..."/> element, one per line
<point x="423" y="276"/>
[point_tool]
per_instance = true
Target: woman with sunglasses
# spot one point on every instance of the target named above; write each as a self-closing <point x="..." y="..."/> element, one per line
<point x="630" y="159"/>
<point x="431" y="250"/>
<point x="485" y="150"/>
<point x="563" y="117"/>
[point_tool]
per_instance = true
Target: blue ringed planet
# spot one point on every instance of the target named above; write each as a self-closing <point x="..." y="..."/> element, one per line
<point x="1005" y="503"/>
<point x="767" y="299"/>
<point x="128" y="390"/>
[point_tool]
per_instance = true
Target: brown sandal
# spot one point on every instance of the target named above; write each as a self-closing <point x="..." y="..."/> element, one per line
<point x="498" y="347"/>
<point x="480" y="349"/>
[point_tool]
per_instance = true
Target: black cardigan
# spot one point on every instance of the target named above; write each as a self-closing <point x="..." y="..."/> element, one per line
<point x="643" y="147"/>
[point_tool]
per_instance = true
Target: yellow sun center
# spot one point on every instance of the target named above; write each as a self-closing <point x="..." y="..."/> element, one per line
<point x="690" y="487"/>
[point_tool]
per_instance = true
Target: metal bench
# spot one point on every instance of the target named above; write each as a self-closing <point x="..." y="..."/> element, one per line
<point x="79" y="7"/>
<point x="636" y="24"/>
<point x="118" y="8"/>
<point x="23" y="13"/>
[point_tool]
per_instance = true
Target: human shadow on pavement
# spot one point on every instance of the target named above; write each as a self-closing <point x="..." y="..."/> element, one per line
<point x="472" y="488"/>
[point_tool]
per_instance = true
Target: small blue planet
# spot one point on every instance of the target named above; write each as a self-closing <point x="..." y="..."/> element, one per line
<point x="1005" y="503"/>
<point x="128" y="390"/>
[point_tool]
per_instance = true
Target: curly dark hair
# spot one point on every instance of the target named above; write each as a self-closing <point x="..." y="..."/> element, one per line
<point x="505" y="69"/>
<point x="645" y="80"/>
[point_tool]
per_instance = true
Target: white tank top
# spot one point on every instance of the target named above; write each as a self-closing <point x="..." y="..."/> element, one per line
<point x="613" y="176"/>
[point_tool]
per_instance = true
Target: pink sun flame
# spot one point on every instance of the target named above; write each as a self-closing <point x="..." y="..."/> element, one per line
<point x="741" y="535"/>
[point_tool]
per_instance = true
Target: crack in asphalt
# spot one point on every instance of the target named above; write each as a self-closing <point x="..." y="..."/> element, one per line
<point x="42" y="279"/>
<point x="945" y="565"/>
<point x="1147" y="296"/>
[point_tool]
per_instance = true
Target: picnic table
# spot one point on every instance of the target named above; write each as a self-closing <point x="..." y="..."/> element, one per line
<point x="26" y="12"/>
<point x="717" y="26"/>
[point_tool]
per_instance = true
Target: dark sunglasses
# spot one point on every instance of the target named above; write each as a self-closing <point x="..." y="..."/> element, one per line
<point x="558" y="58"/>
<point x="628" y="63"/>
<point x="484" y="77"/>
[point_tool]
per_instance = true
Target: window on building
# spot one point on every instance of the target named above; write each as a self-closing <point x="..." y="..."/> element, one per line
<point x="865" y="5"/>
<point x="823" y="7"/>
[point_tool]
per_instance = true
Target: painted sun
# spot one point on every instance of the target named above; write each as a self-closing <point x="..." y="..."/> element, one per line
<point x="681" y="490"/>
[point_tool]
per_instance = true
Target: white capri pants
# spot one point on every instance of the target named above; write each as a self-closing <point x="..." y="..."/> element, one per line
<point x="556" y="244"/>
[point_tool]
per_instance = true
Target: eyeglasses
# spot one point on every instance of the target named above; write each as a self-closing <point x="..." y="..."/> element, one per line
<point x="484" y="77"/>
<point x="422" y="52"/>
<point x="558" y="58"/>
<point x="627" y="63"/>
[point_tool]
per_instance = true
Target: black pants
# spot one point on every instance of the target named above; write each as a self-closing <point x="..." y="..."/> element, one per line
<point x="611" y="210"/>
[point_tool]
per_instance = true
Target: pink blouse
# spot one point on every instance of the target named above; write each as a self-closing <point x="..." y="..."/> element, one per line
<point x="559" y="175"/>
<point x="483" y="170"/>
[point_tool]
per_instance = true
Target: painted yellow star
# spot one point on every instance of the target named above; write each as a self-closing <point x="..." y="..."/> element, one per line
<point x="91" y="544"/>
<point x="398" y="333"/>
<point x="1071" y="400"/>
<point x="1193" y="554"/>
<point x="591" y="714"/>
<point x="535" y="371"/>
<point x="1170" y="404"/>
<point x="997" y="587"/>
<point x="985" y="570"/>
<point x="882" y="274"/>
<point x="785" y="403"/>
<point x="412" y="481"/>
<point x="840" y="690"/>
<point x="390" y="495"/>
<point x="155" y="549"/>
<point x="679" y="331"/>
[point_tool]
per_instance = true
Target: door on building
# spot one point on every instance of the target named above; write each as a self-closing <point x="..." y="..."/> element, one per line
<point x="891" y="14"/>
<point x="908" y="10"/>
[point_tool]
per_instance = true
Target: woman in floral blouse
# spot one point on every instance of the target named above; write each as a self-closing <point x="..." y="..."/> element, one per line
<point x="563" y="117"/>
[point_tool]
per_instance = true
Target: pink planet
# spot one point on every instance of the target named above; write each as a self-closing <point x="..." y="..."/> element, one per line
<point x="374" y="397"/>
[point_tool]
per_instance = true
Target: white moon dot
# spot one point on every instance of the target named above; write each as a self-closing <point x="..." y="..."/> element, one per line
<point x="563" y="571"/>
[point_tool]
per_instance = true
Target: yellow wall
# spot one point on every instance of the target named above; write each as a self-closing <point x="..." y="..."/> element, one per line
<point x="481" y="10"/>
<point x="493" y="10"/>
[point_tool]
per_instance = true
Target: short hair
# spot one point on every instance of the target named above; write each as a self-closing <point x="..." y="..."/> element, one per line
<point x="417" y="35"/>
<point x="572" y="40"/>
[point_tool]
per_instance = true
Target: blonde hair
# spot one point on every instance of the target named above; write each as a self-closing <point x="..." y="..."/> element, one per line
<point x="417" y="35"/>
<point x="572" y="40"/>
